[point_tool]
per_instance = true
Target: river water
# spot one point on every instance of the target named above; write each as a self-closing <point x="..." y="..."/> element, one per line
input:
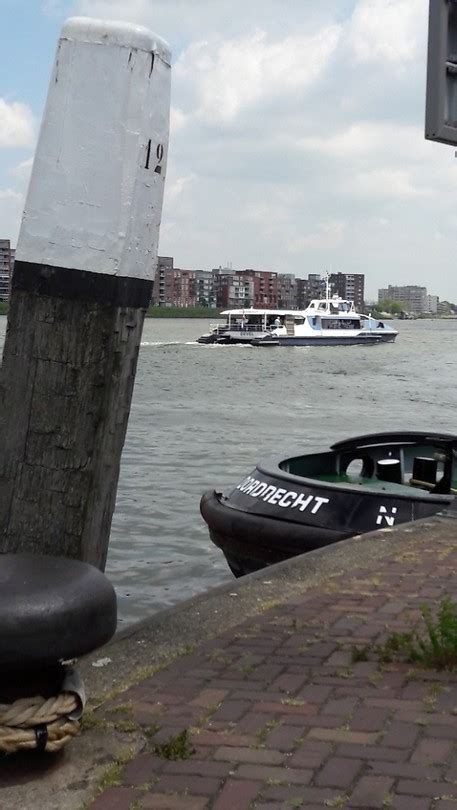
<point x="203" y="415"/>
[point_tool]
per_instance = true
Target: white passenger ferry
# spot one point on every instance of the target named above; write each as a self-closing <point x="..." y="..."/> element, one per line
<point x="331" y="321"/>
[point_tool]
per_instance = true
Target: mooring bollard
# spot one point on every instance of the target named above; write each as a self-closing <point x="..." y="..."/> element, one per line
<point x="51" y="610"/>
<point x="82" y="281"/>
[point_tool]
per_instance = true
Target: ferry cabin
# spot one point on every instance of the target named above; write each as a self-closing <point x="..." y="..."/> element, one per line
<point x="257" y="320"/>
<point x="333" y="314"/>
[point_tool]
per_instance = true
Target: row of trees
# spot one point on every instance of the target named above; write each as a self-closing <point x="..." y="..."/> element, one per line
<point x="396" y="308"/>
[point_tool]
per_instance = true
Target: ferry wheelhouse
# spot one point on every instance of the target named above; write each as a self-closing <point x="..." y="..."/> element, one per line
<point x="331" y="321"/>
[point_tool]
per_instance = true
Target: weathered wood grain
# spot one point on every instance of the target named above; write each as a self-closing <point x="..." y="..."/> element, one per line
<point x="65" y="392"/>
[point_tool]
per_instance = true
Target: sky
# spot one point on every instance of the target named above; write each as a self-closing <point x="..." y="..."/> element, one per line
<point x="297" y="134"/>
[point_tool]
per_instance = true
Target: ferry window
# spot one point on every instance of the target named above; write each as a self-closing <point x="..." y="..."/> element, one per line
<point x="322" y="305"/>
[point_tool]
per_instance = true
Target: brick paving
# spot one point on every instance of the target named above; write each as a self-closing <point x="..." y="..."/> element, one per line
<point x="280" y="715"/>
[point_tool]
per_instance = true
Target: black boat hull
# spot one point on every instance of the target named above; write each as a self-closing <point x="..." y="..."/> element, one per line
<point x="307" y="502"/>
<point x="222" y="339"/>
<point x="363" y="339"/>
<point x="251" y="542"/>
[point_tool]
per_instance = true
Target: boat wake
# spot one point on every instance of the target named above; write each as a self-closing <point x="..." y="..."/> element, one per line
<point x="220" y="345"/>
<point x="160" y="343"/>
<point x="164" y="342"/>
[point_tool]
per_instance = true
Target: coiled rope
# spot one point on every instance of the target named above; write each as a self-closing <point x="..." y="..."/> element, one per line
<point x="45" y="724"/>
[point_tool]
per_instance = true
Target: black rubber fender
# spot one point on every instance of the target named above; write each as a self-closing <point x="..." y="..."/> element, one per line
<point x="52" y="609"/>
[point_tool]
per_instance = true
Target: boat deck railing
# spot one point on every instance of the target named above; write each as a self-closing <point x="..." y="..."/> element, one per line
<point x="237" y="327"/>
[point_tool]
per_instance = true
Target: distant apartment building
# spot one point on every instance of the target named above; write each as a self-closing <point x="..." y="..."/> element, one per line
<point x="6" y="268"/>
<point x="245" y="288"/>
<point x="350" y="286"/>
<point x="431" y="304"/>
<point x="411" y="297"/>
<point x="232" y="288"/>
<point x="265" y="288"/>
<point x="164" y="265"/>
<point x="446" y="308"/>
<point x="287" y="291"/>
<point x="204" y="288"/>
<point x="180" y="288"/>
<point x="173" y="287"/>
<point x="309" y="288"/>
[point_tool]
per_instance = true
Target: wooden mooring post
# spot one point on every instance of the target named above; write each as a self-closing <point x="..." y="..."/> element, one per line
<point x="85" y="260"/>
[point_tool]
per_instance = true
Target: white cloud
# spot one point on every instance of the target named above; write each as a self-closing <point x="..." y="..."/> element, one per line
<point x="387" y="32"/>
<point x="176" y="188"/>
<point x="12" y="200"/>
<point x="373" y="140"/>
<point x="9" y="194"/>
<point x="11" y="207"/>
<point x="230" y="76"/>
<point x="17" y="124"/>
<point x="177" y="120"/>
<point x="387" y="183"/>
<point x="22" y="171"/>
<point x="327" y="235"/>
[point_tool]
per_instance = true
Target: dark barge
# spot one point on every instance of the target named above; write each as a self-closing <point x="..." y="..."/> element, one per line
<point x="304" y="502"/>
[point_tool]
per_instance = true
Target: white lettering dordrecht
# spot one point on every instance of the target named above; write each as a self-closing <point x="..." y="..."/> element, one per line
<point x="278" y="496"/>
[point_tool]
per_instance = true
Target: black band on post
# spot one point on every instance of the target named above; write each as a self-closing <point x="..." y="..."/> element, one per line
<point x="73" y="284"/>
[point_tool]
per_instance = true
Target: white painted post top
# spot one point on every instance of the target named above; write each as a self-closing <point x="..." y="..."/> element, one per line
<point x="111" y="32"/>
<point x="95" y="196"/>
